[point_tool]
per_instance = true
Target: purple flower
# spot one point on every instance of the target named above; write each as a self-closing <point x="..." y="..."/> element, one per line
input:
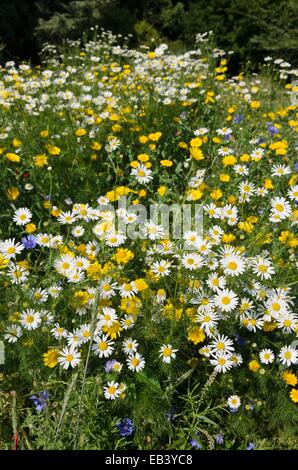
<point x="219" y="439"/>
<point x="109" y="365"/>
<point x="250" y="446"/>
<point x="40" y="400"/>
<point x="296" y="166"/>
<point x="238" y="118"/>
<point x="125" y="427"/>
<point x="272" y="129"/>
<point x="194" y="443"/>
<point x="29" y="242"/>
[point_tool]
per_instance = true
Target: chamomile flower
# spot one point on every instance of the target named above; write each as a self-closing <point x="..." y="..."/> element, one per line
<point x="221" y="344"/>
<point x="222" y="362"/>
<point x="161" y="268"/>
<point x="13" y="333"/>
<point x="226" y="300"/>
<point x="153" y="231"/>
<point x="111" y="391"/>
<point x="17" y="274"/>
<point x="280" y="170"/>
<point x="69" y="357"/>
<point x="167" y="353"/>
<point x="130" y="346"/>
<point x="263" y="268"/>
<point x="233" y="265"/>
<point x="107" y="317"/>
<point x="128" y="290"/>
<point x="234" y="402"/>
<point x="30" y="319"/>
<point x="266" y="356"/>
<point x="103" y="346"/>
<point x="208" y="321"/>
<point x="192" y="261"/>
<point x="280" y="209"/>
<point x="114" y="239"/>
<point x="288" y="355"/>
<point x="78" y="231"/>
<point x="22" y="216"/>
<point x="9" y="248"/>
<point x="142" y="174"/>
<point x="135" y="362"/>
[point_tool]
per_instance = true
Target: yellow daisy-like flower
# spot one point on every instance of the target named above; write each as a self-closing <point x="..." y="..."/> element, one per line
<point x="50" y="358"/>
<point x="196" y="335"/>
<point x="167" y="163"/>
<point x="290" y="378"/>
<point x="254" y="366"/>
<point x="294" y="395"/>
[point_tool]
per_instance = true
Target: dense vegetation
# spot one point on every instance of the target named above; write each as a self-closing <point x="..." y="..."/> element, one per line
<point x="150" y="342"/>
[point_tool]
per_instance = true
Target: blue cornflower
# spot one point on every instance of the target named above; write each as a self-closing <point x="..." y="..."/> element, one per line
<point x="29" y="242"/>
<point x="125" y="427"/>
<point x="272" y="129"/>
<point x="250" y="446"/>
<point x="238" y="118"/>
<point x="219" y="439"/>
<point x="40" y="400"/>
<point x="296" y="166"/>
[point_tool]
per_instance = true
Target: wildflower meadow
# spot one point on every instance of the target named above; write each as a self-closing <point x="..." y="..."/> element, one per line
<point x="147" y="250"/>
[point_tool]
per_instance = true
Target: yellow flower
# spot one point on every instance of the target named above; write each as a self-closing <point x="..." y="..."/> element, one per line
<point x="245" y="157"/>
<point x="167" y="163"/>
<point x="182" y="145"/>
<point x="151" y="55"/>
<point x="196" y="335"/>
<point x="80" y="132"/>
<point x="162" y="190"/>
<point x="268" y="184"/>
<point x="255" y="104"/>
<point x="143" y="157"/>
<point x="194" y="194"/>
<point x="229" y="160"/>
<point x="142" y="193"/>
<point x="12" y="193"/>
<point x="96" y="146"/>
<point x="13" y="157"/>
<point x="141" y="284"/>
<point x="30" y="228"/>
<point x="16" y="143"/>
<point x="196" y="153"/>
<point x="50" y="358"/>
<point x="123" y="256"/>
<point x="53" y="149"/>
<point x="143" y="139"/>
<point x="155" y="136"/>
<point x="216" y="194"/>
<point x="114" y="330"/>
<point x="290" y="378"/>
<point x="228" y="238"/>
<point x="3" y="262"/>
<point x="40" y="160"/>
<point x="44" y="133"/>
<point x="294" y="395"/>
<point x="254" y="366"/>
<point x="224" y="178"/>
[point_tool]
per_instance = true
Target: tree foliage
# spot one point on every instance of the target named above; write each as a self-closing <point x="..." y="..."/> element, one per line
<point x="251" y="28"/>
